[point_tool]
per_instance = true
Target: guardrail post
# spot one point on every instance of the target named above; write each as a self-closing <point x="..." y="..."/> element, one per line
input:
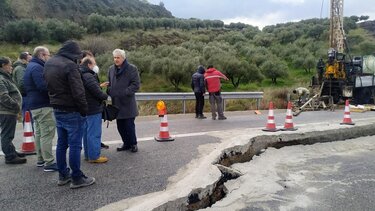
<point x="258" y="103"/>
<point x="183" y="106"/>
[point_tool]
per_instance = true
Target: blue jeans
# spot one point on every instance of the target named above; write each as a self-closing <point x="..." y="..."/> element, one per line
<point x="69" y="127"/>
<point x="92" y="134"/>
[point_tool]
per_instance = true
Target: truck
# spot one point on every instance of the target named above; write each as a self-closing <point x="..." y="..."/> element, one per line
<point x="344" y="77"/>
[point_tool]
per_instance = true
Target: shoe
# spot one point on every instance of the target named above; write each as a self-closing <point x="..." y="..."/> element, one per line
<point x="40" y="163"/>
<point x="64" y="180"/>
<point x="222" y="118"/>
<point x="104" y="146"/>
<point x="51" y="168"/>
<point x="20" y="154"/>
<point x="123" y="148"/>
<point x="134" y="148"/>
<point x="101" y="159"/>
<point x="202" y="117"/>
<point x="82" y="182"/>
<point x="213" y="118"/>
<point x="16" y="160"/>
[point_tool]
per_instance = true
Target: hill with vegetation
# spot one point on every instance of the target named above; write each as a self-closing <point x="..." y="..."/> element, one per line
<point x="168" y="50"/>
<point x="77" y="10"/>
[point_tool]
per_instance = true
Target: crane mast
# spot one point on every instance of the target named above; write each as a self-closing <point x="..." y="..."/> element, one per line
<point x="337" y="34"/>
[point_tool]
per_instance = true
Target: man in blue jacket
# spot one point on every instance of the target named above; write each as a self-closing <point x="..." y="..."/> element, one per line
<point x="38" y="102"/>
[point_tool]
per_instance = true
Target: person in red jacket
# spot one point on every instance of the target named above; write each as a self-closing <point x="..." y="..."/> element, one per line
<point x="212" y="78"/>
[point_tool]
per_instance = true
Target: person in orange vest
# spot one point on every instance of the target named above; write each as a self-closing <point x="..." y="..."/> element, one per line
<point x="212" y="78"/>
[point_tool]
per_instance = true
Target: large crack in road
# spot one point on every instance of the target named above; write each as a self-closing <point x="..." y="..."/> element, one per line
<point x="179" y="197"/>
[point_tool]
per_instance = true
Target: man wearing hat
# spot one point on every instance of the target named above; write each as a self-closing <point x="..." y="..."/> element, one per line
<point x="19" y="68"/>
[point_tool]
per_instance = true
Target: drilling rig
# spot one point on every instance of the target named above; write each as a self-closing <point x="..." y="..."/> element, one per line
<point x="342" y="76"/>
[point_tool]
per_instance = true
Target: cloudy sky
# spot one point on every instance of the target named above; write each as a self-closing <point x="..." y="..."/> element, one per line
<point x="262" y="12"/>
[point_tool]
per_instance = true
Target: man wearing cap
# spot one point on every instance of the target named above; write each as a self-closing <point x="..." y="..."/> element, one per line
<point x="19" y="68"/>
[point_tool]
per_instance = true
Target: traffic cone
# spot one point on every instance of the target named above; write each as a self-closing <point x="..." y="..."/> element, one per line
<point x="164" y="132"/>
<point x="28" y="145"/>
<point x="271" y="126"/>
<point x="288" y="126"/>
<point x="347" y="120"/>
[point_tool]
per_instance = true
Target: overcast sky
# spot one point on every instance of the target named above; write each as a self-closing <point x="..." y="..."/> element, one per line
<point x="262" y="12"/>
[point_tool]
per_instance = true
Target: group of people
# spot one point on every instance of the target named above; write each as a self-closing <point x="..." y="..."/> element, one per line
<point x="63" y="94"/>
<point x="209" y="80"/>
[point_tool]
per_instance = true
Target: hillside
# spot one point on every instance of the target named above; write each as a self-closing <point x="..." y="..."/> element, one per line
<point x="77" y="10"/>
<point x="369" y="26"/>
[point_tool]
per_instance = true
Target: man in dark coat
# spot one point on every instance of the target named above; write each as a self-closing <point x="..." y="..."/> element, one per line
<point x="198" y="86"/>
<point x="124" y="82"/>
<point x="10" y="106"/>
<point x="38" y="102"/>
<point x="67" y="97"/>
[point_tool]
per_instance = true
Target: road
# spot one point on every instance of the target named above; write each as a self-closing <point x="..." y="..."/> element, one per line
<point x="325" y="176"/>
<point x="126" y="175"/>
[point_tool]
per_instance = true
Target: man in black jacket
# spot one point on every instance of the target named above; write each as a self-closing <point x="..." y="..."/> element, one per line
<point x="67" y="97"/>
<point x="198" y="86"/>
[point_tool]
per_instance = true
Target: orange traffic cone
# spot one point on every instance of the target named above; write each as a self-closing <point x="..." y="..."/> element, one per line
<point x="347" y="120"/>
<point x="289" y="119"/>
<point x="271" y="126"/>
<point x="164" y="132"/>
<point x="28" y="145"/>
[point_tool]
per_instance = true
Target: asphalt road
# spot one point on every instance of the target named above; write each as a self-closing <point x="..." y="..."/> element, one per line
<point x="26" y="187"/>
<point x="327" y="176"/>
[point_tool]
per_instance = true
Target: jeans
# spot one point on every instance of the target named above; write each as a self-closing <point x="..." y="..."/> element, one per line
<point x="216" y="102"/>
<point x="45" y="128"/>
<point x="199" y="103"/>
<point x="8" y="128"/>
<point x="126" y="128"/>
<point x="69" y="131"/>
<point x="92" y="134"/>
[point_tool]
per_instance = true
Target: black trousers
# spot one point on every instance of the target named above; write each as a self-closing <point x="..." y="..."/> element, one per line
<point x="199" y="103"/>
<point x="126" y="128"/>
<point x="8" y="128"/>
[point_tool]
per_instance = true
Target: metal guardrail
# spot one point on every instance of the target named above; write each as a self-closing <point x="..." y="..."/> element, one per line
<point x="146" y="96"/>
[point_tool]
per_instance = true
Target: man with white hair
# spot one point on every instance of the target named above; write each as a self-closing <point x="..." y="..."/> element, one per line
<point x="124" y="82"/>
<point x="38" y="102"/>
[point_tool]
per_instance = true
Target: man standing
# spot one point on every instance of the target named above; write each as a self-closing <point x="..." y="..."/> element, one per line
<point x="19" y="70"/>
<point x="124" y="82"/>
<point x="67" y="97"/>
<point x="38" y="102"/>
<point x="197" y="84"/>
<point x="212" y="78"/>
<point x="10" y="106"/>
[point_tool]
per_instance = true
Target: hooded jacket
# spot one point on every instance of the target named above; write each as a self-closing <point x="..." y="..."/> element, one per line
<point x="65" y="87"/>
<point x="10" y="97"/>
<point x="212" y="78"/>
<point x="197" y="80"/>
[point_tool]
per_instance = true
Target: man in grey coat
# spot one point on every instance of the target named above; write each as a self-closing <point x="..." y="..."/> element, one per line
<point x="124" y="82"/>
